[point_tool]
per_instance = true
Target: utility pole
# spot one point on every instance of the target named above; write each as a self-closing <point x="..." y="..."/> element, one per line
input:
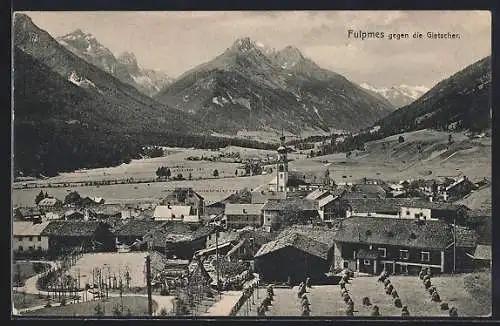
<point x="148" y="282"/>
<point x="217" y="258"/>
<point x="454" y="245"/>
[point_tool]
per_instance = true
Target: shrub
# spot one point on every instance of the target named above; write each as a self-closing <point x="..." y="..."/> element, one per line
<point x="401" y="139"/>
<point x="444" y="306"/>
<point x="397" y="303"/>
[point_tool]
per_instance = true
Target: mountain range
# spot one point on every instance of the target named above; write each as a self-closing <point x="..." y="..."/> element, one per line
<point x="124" y="67"/>
<point x="398" y="95"/>
<point x="250" y="87"/>
<point x="459" y="102"/>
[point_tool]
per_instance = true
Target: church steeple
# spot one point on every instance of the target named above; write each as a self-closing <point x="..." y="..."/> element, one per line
<point x="282" y="166"/>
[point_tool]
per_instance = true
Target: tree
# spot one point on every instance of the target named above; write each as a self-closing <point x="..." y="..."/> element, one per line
<point x="401" y="139"/>
<point x="73" y="198"/>
<point x="98" y="310"/>
<point x="117" y="311"/>
<point x="39" y="197"/>
<point x="216" y="173"/>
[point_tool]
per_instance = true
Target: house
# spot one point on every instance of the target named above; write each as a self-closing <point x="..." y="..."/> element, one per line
<point x="293" y="256"/>
<point x="241" y="244"/>
<point x="331" y="207"/>
<point x="28" y="214"/>
<point x="373" y="244"/>
<point x="277" y="213"/>
<point x="482" y="256"/>
<point x="240" y="215"/>
<point x="74" y="215"/>
<point x="178" y="240"/>
<point x="91" y="201"/>
<point x="368" y="191"/>
<point x="186" y="197"/>
<point x="458" y="189"/>
<point x="53" y="215"/>
<point x="132" y="233"/>
<point x="50" y="203"/>
<point x="186" y="214"/>
<point x="108" y="211"/>
<point x="450" y="213"/>
<point x="27" y="236"/>
<point x="387" y="207"/>
<point x="88" y="236"/>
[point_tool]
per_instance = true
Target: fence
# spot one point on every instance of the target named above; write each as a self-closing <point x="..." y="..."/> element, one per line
<point x="246" y="294"/>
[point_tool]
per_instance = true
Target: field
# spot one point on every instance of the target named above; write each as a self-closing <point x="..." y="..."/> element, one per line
<point x="118" y="263"/>
<point x="138" y="307"/>
<point x="326" y="300"/>
<point x="385" y="159"/>
<point x="25" y="300"/>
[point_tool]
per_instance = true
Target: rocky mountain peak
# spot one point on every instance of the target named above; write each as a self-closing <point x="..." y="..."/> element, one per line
<point x="244" y="44"/>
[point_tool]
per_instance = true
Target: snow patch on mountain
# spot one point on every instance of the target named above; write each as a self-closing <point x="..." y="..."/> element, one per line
<point x="399" y="95"/>
<point x="81" y="81"/>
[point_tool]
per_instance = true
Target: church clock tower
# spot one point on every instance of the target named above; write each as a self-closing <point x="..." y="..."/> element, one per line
<point x="282" y="167"/>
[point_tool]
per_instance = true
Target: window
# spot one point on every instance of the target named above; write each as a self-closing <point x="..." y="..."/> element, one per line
<point x="30" y="238"/>
<point x="366" y="262"/>
<point x="404" y="269"/>
<point x="346" y="264"/>
<point x="407" y="212"/>
<point x="31" y="248"/>
<point x="417" y="215"/>
<point x="20" y="248"/>
<point x="20" y="238"/>
<point x="39" y="248"/>
<point x="425" y="256"/>
<point x="383" y="252"/>
<point x="403" y="254"/>
<point x="39" y="238"/>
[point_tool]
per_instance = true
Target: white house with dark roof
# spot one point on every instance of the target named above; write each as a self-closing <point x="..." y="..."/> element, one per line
<point x="27" y="236"/>
<point x="240" y="215"/>
<point x="178" y="213"/>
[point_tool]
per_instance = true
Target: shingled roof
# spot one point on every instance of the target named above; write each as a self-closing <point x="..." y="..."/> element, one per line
<point x="318" y="233"/>
<point x="400" y="232"/>
<point x="73" y="228"/>
<point x="297" y="241"/>
<point x="172" y="232"/>
<point x="135" y="227"/>
<point x="373" y="205"/>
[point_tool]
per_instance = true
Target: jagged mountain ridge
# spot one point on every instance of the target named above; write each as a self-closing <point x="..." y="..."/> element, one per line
<point x="459" y="102"/>
<point x="398" y="95"/>
<point x="129" y="109"/>
<point x="125" y="66"/>
<point x="246" y="88"/>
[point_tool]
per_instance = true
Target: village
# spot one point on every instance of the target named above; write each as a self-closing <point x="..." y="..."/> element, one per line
<point x="377" y="243"/>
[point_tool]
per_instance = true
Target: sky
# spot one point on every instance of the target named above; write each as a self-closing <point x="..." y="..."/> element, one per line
<point x="174" y="42"/>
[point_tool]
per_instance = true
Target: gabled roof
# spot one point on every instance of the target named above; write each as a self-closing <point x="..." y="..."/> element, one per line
<point x="328" y="199"/>
<point x="318" y="233"/>
<point x="456" y="183"/>
<point x="396" y="231"/>
<point x="172" y="211"/>
<point x="482" y="252"/>
<point x="296" y="241"/>
<point x="28" y="228"/>
<point x="316" y="194"/>
<point x="243" y="209"/>
<point x="372" y="205"/>
<point x="73" y="228"/>
<point x="172" y="232"/>
<point x="134" y="227"/>
<point x="49" y="202"/>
